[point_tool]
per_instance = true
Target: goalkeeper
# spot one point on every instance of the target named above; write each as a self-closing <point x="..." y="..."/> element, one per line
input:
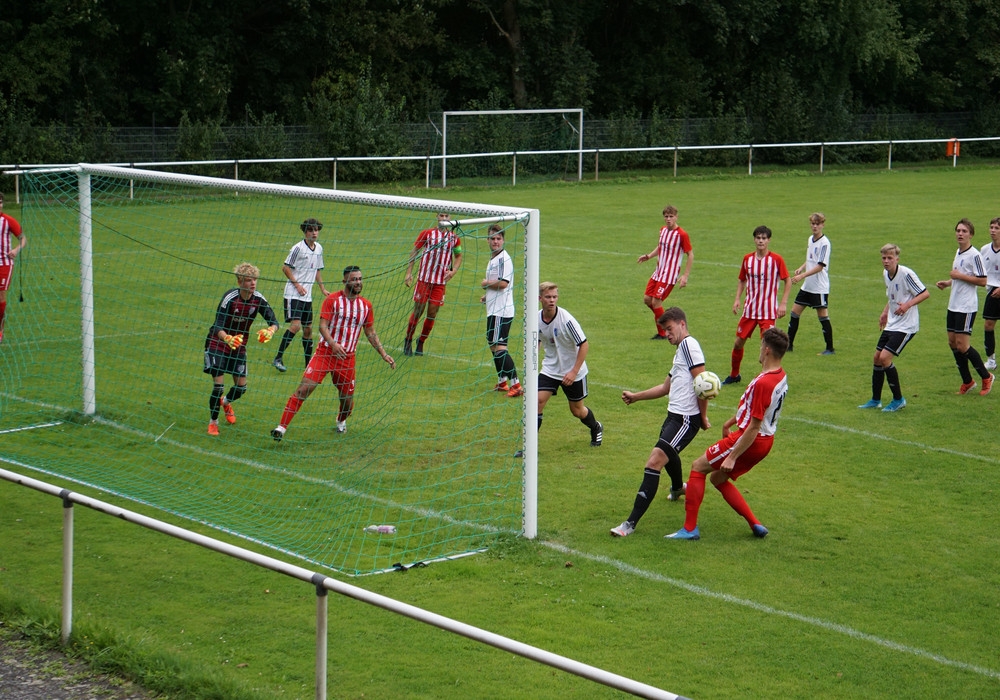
<point x="225" y="346"/>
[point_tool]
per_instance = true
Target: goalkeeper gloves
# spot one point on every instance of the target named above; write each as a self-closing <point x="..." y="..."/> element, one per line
<point x="264" y="335"/>
<point x="233" y="341"/>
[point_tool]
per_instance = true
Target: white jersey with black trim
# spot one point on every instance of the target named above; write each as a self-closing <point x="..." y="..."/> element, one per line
<point x="500" y="302"/>
<point x="965" y="295"/>
<point x="899" y="289"/>
<point x="683" y="400"/>
<point x="306" y="262"/>
<point x="817" y="253"/>
<point x="991" y="263"/>
<point x="560" y="338"/>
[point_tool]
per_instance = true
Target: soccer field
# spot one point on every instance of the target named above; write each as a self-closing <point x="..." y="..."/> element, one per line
<point x="876" y="579"/>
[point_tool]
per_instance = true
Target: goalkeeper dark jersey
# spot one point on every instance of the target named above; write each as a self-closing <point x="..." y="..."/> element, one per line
<point x="235" y="316"/>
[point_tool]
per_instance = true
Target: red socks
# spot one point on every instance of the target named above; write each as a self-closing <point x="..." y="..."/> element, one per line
<point x="291" y="408"/>
<point x="736" y="362"/>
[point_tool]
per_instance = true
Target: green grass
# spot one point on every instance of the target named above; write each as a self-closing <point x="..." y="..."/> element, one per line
<point x="875" y="581"/>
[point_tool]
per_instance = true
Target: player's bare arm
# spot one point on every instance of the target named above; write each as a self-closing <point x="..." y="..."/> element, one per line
<point x="742" y="444"/>
<point x="653" y="392"/>
<point x="741" y="287"/>
<point x="682" y="281"/>
<point x="377" y="344"/>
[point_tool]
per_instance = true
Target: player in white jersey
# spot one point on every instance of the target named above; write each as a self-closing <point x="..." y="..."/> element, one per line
<point x="342" y="318"/>
<point x="498" y="295"/>
<point x="815" y="277"/>
<point x="990" y="254"/>
<point x="302" y="267"/>
<point x="760" y="273"/>
<point x="674" y="244"/>
<point x="967" y="274"/>
<point x="753" y="428"/>
<point x="900" y="321"/>
<point x="565" y="363"/>
<point x="686" y="414"/>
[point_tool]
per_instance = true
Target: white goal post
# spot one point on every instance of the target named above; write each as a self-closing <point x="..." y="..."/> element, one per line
<point x="578" y="112"/>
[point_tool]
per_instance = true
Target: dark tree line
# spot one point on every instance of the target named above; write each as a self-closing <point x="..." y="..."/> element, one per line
<point x="790" y="69"/>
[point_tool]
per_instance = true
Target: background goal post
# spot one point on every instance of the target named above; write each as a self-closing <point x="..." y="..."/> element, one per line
<point x="101" y="366"/>
<point x="558" y="129"/>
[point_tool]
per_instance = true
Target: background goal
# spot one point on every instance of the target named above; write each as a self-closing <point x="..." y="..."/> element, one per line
<point x="109" y="392"/>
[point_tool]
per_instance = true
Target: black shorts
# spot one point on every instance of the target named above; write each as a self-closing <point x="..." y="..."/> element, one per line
<point x="219" y="363"/>
<point x="298" y="309"/>
<point x="893" y="341"/>
<point x="991" y="307"/>
<point x="812" y="300"/>
<point x="678" y="431"/>
<point x="577" y="391"/>
<point x="498" y="330"/>
<point x="961" y="322"/>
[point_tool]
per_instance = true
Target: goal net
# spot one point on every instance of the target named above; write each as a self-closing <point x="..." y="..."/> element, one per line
<point x="102" y="363"/>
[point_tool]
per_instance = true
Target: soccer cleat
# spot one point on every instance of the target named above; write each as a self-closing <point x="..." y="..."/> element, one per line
<point x="759" y="530"/>
<point x="515" y="391"/>
<point x="675" y="494"/>
<point x="658" y="337"/>
<point x="227" y="408"/>
<point x="502" y="386"/>
<point x="966" y="388"/>
<point x="407" y="347"/>
<point x="279" y="365"/>
<point x="683" y="534"/>
<point x="872" y="403"/>
<point x="420" y="349"/>
<point x="827" y="352"/>
<point x="278" y="433"/>
<point x="623" y="530"/>
<point x="732" y="380"/>
<point x="894" y="405"/>
<point x="991" y="361"/>
<point x="342" y="426"/>
<point x="213" y="429"/>
<point x="987" y="385"/>
<point x="597" y="435"/>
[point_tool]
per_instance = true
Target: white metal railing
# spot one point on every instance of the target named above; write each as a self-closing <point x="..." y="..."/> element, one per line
<point x="15" y="169"/>
<point x="322" y="583"/>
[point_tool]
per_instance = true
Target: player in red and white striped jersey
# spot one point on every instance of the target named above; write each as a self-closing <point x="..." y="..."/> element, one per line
<point x="672" y="246"/>
<point x="755" y="423"/>
<point x="760" y="273"/>
<point x="342" y="318"/>
<point x="440" y="260"/>
<point x="9" y="228"/>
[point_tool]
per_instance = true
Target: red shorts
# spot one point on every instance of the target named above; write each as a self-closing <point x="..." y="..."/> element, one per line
<point x="658" y="290"/>
<point x="745" y="329"/>
<point x="6" y="272"/>
<point x="341" y="371"/>
<point x="428" y="292"/>
<point x="757" y="451"/>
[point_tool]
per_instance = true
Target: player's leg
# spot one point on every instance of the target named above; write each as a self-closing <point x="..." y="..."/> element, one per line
<point x="646" y="493"/>
<point x="344" y="379"/>
<point x="743" y="331"/>
<point x="432" y="311"/>
<point x="656" y="292"/>
<point x="823" y="312"/>
<point x="292" y="319"/>
<point x="695" y="492"/>
<point x="307" y="331"/>
<point x="990" y="341"/>
<point x="793" y="319"/>
<point x="576" y="393"/>
<point x="215" y="403"/>
<point x="724" y="482"/>
<point x="420" y="294"/>
<point x="547" y="388"/>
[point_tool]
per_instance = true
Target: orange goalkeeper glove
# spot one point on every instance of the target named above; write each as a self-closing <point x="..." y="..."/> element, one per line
<point x="264" y="335"/>
<point x="233" y="341"/>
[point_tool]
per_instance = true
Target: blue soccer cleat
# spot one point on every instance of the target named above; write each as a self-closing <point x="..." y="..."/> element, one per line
<point x="683" y="534"/>
<point x="759" y="530"/>
<point x="894" y="405"/>
<point x="872" y="403"/>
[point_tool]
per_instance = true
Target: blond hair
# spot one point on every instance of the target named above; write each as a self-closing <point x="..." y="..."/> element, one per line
<point x="245" y="270"/>
<point x="546" y="287"/>
<point x="817" y="218"/>
<point x="890" y="248"/>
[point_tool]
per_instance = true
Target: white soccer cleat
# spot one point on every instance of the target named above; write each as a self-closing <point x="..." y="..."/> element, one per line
<point x="278" y="433"/>
<point x="991" y="362"/>
<point x="342" y="426"/>
<point x="623" y="530"/>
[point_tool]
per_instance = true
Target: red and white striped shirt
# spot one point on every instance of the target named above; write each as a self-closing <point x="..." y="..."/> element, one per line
<point x="762" y="276"/>
<point x="346" y="318"/>
<point x="673" y="243"/>
<point x="8" y="227"/>
<point x="437" y="257"/>
<point x="763" y="399"/>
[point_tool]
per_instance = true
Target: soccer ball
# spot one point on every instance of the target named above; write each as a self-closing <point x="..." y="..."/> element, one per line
<point x="707" y="385"/>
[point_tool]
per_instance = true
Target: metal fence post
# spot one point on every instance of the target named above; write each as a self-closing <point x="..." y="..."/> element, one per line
<point x="66" y="628"/>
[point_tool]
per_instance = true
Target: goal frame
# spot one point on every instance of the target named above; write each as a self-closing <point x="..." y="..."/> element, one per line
<point x="497" y="213"/>
<point x="578" y="111"/>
